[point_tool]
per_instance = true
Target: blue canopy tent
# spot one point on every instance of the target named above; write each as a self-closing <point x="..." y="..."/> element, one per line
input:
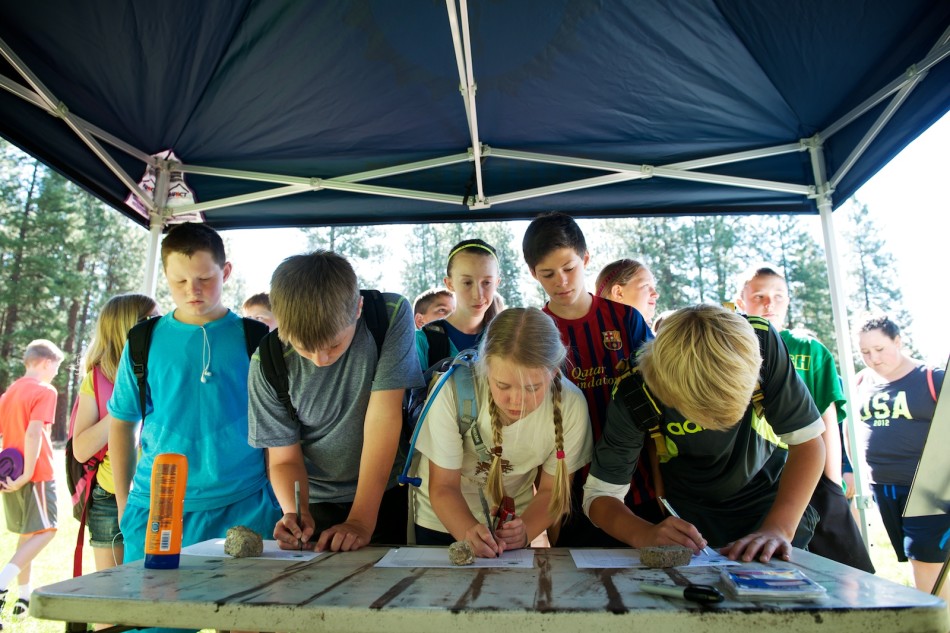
<point x="294" y="112"/>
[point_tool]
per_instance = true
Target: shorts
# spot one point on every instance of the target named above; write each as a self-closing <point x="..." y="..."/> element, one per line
<point x="924" y="539"/>
<point x="32" y="508"/>
<point x="837" y="535"/>
<point x="426" y="536"/>
<point x="102" y="519"/>
<point x="258" y="511"/>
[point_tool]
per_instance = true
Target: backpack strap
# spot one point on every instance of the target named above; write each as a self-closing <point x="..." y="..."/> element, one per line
<point x="274" y="369"/>
<point x="140" y="339"/>
<point x="438" y="339"/>
<point x="376" y="317"/>
<point x="930" y="383"/>
<point x="271" y="350"/>
<point x="102" y="390"/>
<point x="254" y="332"/>
<point x="643" y="408"/>
<point x="467" y="403"/>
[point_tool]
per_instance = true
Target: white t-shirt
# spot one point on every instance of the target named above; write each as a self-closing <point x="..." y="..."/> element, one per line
<point x="527" y="444"/>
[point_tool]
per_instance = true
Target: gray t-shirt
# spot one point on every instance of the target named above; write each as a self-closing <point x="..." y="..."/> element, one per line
<point x="331" y="402"/>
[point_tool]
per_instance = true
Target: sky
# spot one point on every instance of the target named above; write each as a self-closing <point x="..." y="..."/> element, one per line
<point x="909" y="200"/>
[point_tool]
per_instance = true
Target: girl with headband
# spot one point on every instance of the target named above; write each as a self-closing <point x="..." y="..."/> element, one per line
<point x="472" y="274"/>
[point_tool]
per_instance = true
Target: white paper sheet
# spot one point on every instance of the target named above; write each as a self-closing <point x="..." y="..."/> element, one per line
<point x="623" y="558"/>
<point x="215" y="548"/>
<point x="439" y="557"/>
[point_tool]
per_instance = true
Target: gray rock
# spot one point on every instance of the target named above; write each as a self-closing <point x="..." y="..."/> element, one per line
<point x="665" y="556"/>
<point x="242" y="542"/>
<point x="461" y="553"/>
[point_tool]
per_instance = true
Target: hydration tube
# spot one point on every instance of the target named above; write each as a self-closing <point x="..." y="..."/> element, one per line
<point x="404" y="477"/>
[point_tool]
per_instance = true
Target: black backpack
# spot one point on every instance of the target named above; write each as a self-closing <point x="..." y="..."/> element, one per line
<point x="140" y="339"/>
<point x="439" y="346"/>
<point x="274" y="368"/>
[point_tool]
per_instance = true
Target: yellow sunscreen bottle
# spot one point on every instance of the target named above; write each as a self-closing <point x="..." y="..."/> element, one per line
<point x="163" y="532"/>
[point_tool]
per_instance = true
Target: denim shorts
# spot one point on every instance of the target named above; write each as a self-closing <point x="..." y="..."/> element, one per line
<point x="103" y="519"/>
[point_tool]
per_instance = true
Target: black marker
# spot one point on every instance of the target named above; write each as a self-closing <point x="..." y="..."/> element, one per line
<point x="705" y="594"/>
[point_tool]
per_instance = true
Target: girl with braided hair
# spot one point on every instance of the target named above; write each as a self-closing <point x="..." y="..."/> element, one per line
<point x="535" y="427"/>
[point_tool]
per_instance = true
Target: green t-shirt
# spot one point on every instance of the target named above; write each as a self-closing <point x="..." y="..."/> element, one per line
<point x="816" y="367"/>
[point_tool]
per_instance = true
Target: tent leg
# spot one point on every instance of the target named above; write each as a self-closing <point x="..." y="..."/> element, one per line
<point x="151" y="259"/>
<point x="156" y="224"/>
<point x="845" y="354"/>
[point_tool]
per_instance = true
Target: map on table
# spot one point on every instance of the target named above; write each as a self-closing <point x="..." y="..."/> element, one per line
<point x="623" y="558"/>
<point x="439" y="557"/>
<point x="215" y="548"/>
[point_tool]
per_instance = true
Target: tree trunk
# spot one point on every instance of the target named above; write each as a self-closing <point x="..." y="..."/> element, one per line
<point x="11" y="314"/>
<point x="70" y="348"/>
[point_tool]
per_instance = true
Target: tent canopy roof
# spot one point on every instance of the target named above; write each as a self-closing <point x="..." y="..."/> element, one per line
<point x="617" y="97"/>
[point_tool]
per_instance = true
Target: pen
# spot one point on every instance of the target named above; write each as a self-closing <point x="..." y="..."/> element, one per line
<point x="669" y="508"/>
<point x="297" y="508"/>
<point x="488" y="521"/>
<point x="704" y="594"/>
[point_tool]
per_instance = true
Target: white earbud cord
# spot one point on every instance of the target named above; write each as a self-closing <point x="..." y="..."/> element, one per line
<point x="205" y="356"/>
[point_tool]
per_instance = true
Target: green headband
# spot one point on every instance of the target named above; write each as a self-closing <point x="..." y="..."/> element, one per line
<point x="481" y="246"/>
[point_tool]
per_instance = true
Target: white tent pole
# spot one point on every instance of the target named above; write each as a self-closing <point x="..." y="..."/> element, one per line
<point x="459" y="57"/>
<point x="156" y="224"/>
<point x="462" y="45"/>
<point x="473" y="116"/>
<point x="839" y="311"/>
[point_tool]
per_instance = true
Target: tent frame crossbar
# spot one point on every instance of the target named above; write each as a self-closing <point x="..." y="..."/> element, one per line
<point x="60" y="110"/>
<point x="355" y="182"/>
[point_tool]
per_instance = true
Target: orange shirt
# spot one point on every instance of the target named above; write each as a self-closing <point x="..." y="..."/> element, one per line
<point x="28" y="399"/>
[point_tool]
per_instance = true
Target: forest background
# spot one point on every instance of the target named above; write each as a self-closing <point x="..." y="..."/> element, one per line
<point x="63" y="254"/>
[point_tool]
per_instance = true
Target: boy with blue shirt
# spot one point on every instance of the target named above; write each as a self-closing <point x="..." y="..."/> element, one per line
<point x="196" y="405"/>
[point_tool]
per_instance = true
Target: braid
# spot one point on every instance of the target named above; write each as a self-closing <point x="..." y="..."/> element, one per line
<point x="561" y="493"/>
<point x="496" y="487"/>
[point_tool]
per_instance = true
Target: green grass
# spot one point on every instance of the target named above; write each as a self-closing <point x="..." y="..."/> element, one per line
<point x="55" y="562"/>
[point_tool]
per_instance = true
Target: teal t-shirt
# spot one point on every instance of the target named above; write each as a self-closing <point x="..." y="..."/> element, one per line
<point x="458" y="341"/>
<point x="204" y="421"/>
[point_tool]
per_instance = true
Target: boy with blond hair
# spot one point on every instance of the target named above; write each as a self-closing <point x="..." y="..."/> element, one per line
<point x="716" y="392"/>
<point x="27" y="410"/>
<point x="338" y="439"/>
<point x="196" y="404"/>
<point x="763" y="292"/>
<point x="600" y="335"/>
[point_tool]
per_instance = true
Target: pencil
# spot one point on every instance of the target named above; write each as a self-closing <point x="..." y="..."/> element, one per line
<point x="297" y="507"/>
<point x="669" y="508"/>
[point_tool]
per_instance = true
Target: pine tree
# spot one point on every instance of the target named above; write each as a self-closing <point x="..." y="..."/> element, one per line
<point x="358" y="244"/>
<point x="872" y="274"/>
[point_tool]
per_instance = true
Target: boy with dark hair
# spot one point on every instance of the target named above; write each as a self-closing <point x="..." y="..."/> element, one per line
<point x="340" y="444"/>
<point x="716" y="393"/>
<point x="763" y="292"/>
<point x="599" y="334"/>
<point x="196" y="404"/>
<point x="27" y="410"/>
<point x="432" y="305"/>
